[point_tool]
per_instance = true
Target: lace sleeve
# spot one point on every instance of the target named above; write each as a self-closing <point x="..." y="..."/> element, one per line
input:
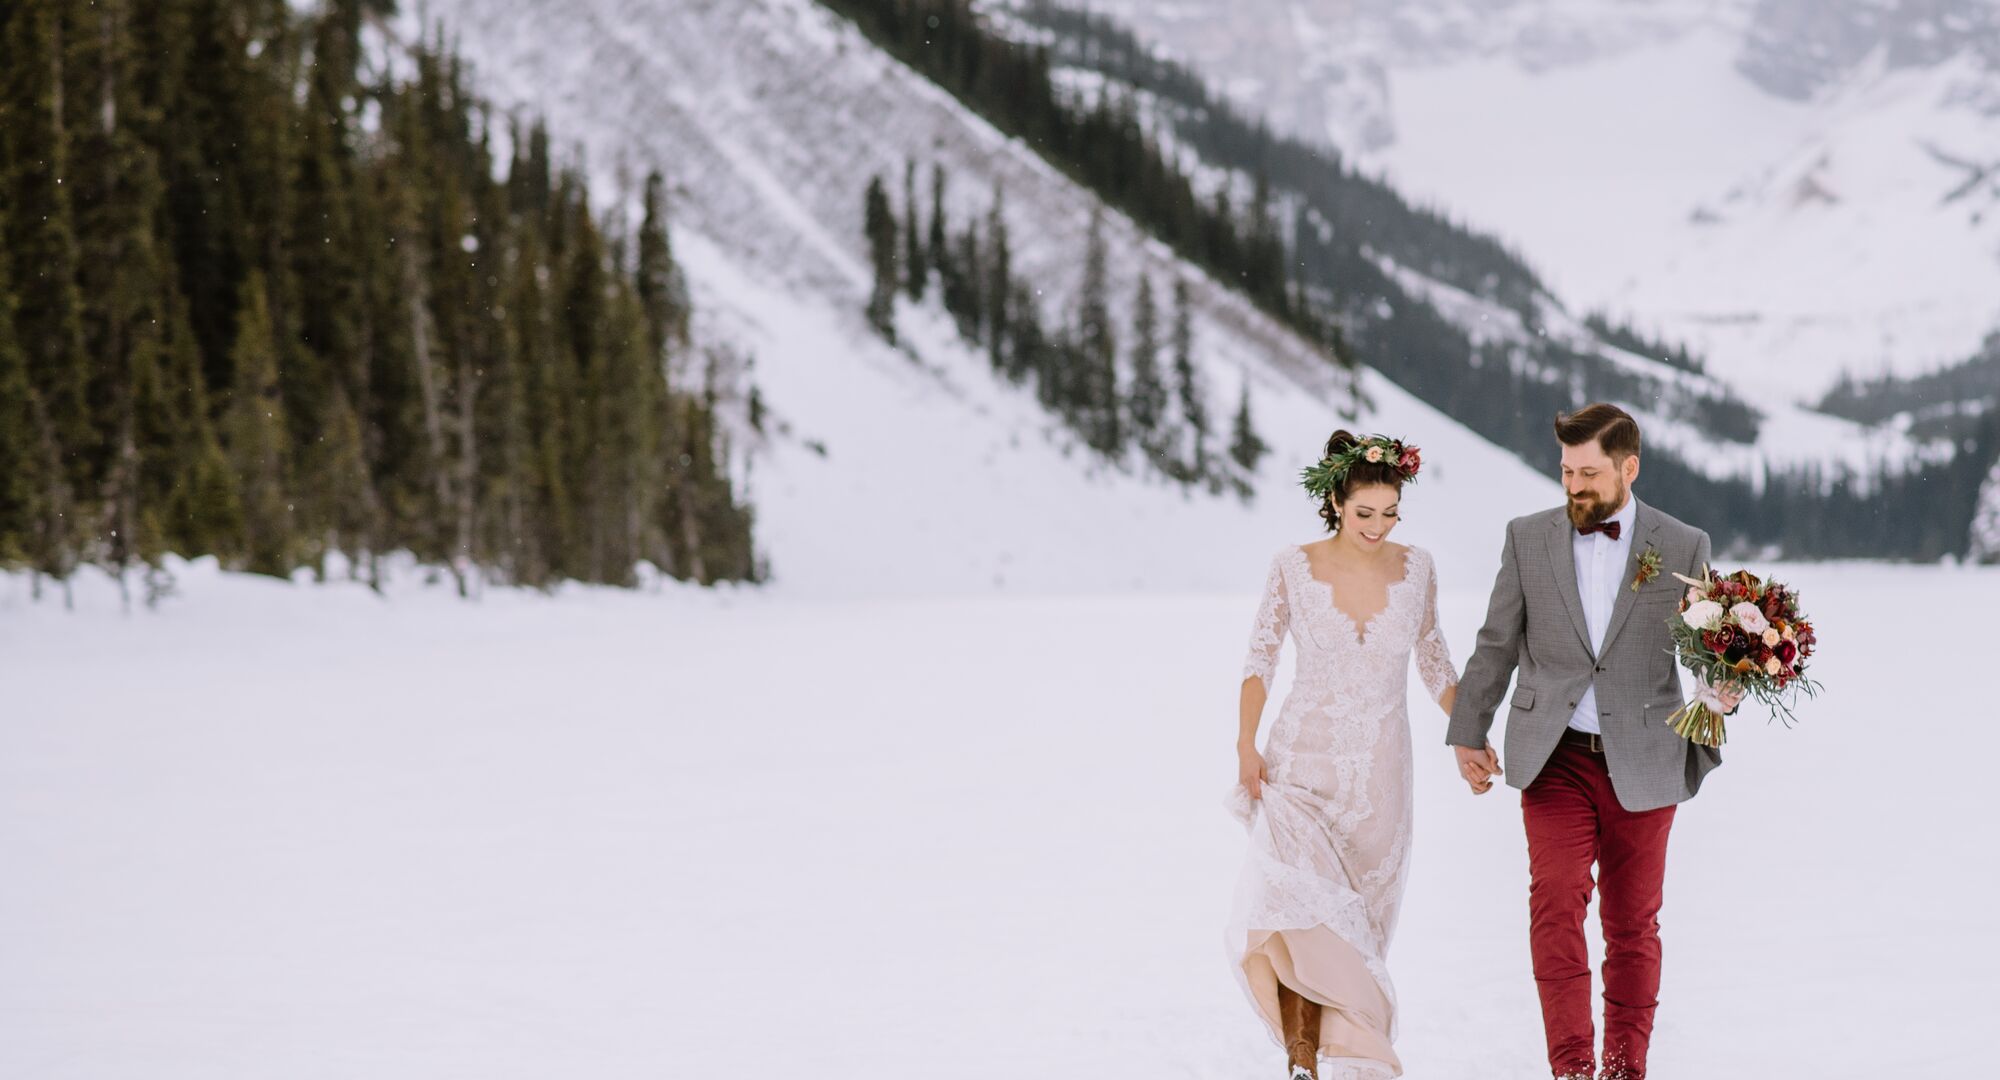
<point x="1433" y="655"/>
<point x="1267" y="634"/>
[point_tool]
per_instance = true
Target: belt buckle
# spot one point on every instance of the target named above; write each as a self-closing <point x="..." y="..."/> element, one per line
<point x="1596" y="743"/>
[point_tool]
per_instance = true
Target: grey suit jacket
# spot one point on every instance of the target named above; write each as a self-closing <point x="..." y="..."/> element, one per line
<point x="1535" y="622"/>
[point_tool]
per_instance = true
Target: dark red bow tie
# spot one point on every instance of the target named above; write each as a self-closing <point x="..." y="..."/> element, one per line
<point x="1608" y="528"/>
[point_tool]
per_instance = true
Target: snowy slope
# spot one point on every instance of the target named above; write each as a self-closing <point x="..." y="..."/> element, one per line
<point x="1795" y="196"/>
<point x="768" y="116"/>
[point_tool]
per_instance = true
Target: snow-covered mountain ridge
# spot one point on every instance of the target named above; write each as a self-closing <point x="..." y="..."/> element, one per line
<point x="769" y="117"/>
<point x="1798" y="189"/>
<point x="1814" y="242"/>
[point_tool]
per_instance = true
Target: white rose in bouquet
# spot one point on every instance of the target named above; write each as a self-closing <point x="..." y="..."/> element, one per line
<point x="1703" y="615"/>
<point x="1750" y="618"/>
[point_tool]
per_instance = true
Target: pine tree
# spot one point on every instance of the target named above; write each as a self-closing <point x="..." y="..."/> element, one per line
<point x="646" y="468"/>
<point x="188" y="478"/>
<point x="1096" y="398"/>
<point x="1245" y="447"/>
<point x="881" y="229"/>
<point x="165" y="485"/>
<point x="661" y="287"/>
<point x="586" y="335"/>
<point x="35" y="134"/>
<point x="935" y="253"/>
<point x="962" y="284"/>
<point x="408" y="354"/>
<point x="1264" y="275"/>
<point x="25" y="483"/>
<point x="258" y="441"/>
<point x="538" y="511"/>
<point x="342" y="496"/>
<point x="115" y="191"/>
<point x="1147" y="401"/>
<point x="1187" y="381"/>
<point x="999" y="283"/>
<point x="715" y="527"/>
<point x="916" y="274"/>
<point x="1983" y="544"/>
<point x="1028" y="349"/>
<point x="328" y="263"/>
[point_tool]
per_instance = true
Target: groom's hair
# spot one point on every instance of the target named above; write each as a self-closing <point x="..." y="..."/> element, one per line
<point x="1612" y="427"/>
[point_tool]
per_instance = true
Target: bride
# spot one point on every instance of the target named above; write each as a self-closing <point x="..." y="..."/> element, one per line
<point x="1327" y="803"/>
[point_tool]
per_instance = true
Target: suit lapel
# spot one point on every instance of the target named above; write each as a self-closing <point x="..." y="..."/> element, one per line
<point x="1645" y="531"/>
<point x="1562" y="553"/>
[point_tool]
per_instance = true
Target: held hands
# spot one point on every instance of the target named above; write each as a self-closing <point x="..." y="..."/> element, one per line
<point x="1478" y="767"/>
<point x="1250" y="770"/>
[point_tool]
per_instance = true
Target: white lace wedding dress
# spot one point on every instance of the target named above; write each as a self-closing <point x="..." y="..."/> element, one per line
<point x="1330" y="838"/>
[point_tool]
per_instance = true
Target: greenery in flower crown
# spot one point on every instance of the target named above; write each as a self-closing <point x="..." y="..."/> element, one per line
<point x="1322" y="479"/>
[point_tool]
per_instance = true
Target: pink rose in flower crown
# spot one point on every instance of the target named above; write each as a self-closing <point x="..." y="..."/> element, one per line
<point x="1374" y="454"/>
<point x="1412" y="460"/>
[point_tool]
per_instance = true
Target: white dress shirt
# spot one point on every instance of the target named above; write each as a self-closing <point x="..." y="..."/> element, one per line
<point x="1600" y="569"/>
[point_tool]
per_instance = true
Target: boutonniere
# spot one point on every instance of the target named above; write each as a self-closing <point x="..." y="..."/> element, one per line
<point x="1649" y="567"/>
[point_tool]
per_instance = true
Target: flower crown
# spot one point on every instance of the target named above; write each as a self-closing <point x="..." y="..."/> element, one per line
<point x="1322" y="479"/>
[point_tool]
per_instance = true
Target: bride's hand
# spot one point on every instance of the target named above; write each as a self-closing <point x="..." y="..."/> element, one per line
<point x="1477" y="767"/>
<point x="1250" y="770"/>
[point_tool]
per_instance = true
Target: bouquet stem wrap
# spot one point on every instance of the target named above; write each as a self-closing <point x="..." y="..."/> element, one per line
<point x="1701" y="721"/>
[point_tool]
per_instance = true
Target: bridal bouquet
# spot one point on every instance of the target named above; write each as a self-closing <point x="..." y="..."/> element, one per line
<point x="1739" y="629"/>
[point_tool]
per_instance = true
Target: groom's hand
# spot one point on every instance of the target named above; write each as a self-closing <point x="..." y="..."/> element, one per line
<point x="1478" y="767"/>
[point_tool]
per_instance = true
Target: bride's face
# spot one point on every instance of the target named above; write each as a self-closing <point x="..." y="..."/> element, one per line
<point x="1369" y="515"/>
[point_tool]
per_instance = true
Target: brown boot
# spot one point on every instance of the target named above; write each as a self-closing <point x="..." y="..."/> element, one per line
<point x="1300" y="1020"/>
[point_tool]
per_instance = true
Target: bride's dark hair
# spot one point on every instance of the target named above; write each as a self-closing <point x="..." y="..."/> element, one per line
<point x="1362" y="474"/>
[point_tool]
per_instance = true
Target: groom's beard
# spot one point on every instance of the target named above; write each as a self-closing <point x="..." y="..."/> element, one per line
<point x="1588" y="509"/>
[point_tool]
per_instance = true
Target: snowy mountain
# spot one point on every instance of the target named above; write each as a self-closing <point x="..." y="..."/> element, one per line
<point x="887" y="470"/>
<point x="770" y="117"/>
<point x="1796" y="189"/>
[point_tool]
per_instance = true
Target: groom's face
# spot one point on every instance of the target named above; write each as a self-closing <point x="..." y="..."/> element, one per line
<point x="1596" y="483"/>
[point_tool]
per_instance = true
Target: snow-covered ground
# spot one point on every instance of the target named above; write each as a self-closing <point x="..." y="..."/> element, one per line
<point x="299" y="831"/>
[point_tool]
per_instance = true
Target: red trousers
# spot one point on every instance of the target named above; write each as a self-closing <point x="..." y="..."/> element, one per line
<point x="1574" y="820"/>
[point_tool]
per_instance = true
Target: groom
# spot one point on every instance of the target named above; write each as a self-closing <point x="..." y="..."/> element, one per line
<point x="1581" y="607"/>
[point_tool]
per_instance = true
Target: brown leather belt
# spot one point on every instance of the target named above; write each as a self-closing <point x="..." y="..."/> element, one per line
<point x="1584" y="740"/>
